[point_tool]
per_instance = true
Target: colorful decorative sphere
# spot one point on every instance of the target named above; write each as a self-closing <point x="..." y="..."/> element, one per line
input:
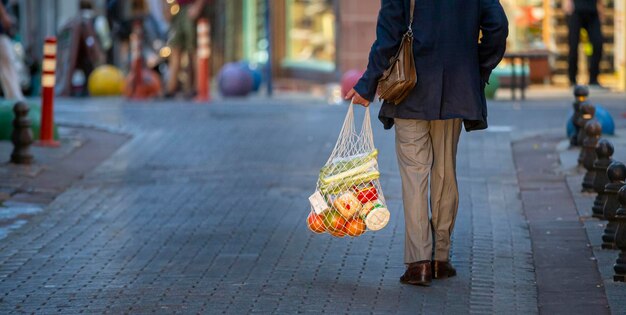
<point x="492" y="87"/>
<point x="349" y="80"/>
<point x="234" y="80"/>
<point x="606" y="120"/>
<point x="148" y="88"/>
<point x="601" y="114"/>
<point x="105" y="80"/>
<point x="255" y="72"/>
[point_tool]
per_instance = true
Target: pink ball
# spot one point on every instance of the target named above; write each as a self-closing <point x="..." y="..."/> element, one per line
<point x="349" y="80"/>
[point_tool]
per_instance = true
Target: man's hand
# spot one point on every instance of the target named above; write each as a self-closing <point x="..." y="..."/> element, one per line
<point x="568" y="7"/>
<point x="357" y="99"/>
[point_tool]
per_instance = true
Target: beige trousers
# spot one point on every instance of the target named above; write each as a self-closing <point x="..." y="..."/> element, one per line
<point x="427" y="150"/>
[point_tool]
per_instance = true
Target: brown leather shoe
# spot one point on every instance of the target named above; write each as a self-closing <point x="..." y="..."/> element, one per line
<point x="443" y="269"/>
<point x="418" y="273"/>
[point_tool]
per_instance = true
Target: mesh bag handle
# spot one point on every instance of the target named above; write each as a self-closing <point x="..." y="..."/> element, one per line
<point x="349" y="141"/>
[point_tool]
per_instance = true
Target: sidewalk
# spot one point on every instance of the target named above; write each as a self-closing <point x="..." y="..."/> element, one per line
<point x="25" y="190"/>
<point x="568" y="281"/>
<point x="203" y="211"/>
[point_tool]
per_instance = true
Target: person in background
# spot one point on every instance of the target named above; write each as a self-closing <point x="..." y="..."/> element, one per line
<point x="122" y="14"/>
<point x="183" y="40"/>
<point x="588" y="15"/>
<point x="8" y="74"/>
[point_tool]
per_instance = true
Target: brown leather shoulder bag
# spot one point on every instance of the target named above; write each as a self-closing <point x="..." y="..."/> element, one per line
<point x="400" y="78"/>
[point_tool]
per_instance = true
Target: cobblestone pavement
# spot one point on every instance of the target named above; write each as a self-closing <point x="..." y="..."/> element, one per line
<point x="615" y="291"/>
<point x="26" y="189"/>
<point x="204" y="211"/>
<point x="568" y="280"/>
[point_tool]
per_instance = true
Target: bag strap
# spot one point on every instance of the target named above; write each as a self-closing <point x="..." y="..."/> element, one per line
<point x="412" y="9"/>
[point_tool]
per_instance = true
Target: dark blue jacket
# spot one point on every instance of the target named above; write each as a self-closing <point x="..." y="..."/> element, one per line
<point x="452" y="64"/>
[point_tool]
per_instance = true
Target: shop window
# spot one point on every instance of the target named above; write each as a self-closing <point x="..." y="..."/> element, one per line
<point x="526" y="19"/>
<point x="310" y="34"/>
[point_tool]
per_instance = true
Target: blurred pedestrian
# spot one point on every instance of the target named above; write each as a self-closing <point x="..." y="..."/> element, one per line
<point x="183" y="40"/>
<point x="588" y="15"/>
<point x="8" y="74"/>
<point x="122" y="15"/>
<point x="453" y="65"/>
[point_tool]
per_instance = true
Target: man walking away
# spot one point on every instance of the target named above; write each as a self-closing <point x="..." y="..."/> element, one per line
<point x="588" y="15"/>
<point x="453" y="65"/>
<point x="8" y="74"/>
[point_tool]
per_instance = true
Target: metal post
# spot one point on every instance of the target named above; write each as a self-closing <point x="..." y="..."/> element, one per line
<point x="203" y="55"/>
<point x="513" y="78"/>
<point x="48" y="80"/>
<point x="22" y="135"/>
<point x="524" y="78"/>
<point x="620" y="237"/>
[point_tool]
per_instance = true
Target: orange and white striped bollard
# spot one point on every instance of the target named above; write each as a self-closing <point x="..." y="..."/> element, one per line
<point x="46" y="135"/>
<point x="204" y="53"/>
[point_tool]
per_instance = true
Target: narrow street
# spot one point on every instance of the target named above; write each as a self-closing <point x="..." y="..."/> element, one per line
<point x="203" y="211"/>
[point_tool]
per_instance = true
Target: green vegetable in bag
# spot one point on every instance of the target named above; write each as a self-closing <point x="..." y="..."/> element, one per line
<point x="371" y="164"/>
<point x="342" y="164"/>
<point x="342" y="185"/>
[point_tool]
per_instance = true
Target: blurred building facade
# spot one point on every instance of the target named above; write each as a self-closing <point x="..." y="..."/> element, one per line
<point x="318" y="40"/>
<point x="41" y="18"/>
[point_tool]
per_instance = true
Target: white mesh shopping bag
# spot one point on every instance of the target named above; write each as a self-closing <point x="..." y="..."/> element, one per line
<point x="348" y="199"/>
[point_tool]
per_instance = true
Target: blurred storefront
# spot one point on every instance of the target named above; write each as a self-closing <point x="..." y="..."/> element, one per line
<point x="303" y="34"/>
<point x="541" y="25"/>
<point x="314" y="40"/>
<point x="318" y="40"/>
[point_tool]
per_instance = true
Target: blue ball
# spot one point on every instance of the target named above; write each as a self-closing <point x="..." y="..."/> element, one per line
<point x="602" y="115"/>
<point x="571" y="129"/>
<point x="255" y="72"/>
<point x="606" y="120"/>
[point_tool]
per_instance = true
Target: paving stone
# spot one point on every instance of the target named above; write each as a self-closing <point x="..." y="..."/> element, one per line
<point x="204" y="209"/>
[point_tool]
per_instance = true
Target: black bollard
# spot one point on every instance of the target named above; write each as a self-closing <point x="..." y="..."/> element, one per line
<point x="587" y="156"/>
<point x="581" y="92"/>
<point x="587" y="113"/>
<point x="617" y="174"/>
<point x="620" y="237"/>
<point x="604" y="151"/>
<point x="22" y="135"/>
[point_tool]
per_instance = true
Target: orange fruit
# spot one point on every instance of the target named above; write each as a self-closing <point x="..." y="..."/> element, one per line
<point x="355" y="227"/>
<point x="333" y="221"/>
<point x="315" y="223"/>
<point x="337" y="233"/>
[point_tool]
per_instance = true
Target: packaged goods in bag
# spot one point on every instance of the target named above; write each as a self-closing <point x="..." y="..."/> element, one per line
<point x="347" y="204"/>
<point x="348" y="199"/>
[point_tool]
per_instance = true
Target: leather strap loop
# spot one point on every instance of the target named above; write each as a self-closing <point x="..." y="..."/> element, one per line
<point x="411" y="14"/>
